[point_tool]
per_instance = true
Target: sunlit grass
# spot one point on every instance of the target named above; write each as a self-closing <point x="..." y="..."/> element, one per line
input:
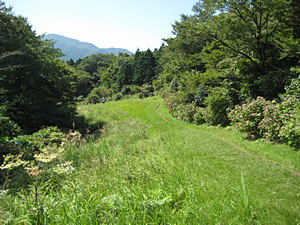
<point x="145" y="170"/>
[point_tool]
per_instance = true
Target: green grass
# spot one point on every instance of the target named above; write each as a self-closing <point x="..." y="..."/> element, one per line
<point x="146" y="170"/>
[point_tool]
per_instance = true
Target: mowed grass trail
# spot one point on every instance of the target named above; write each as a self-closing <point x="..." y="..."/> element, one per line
<point x="153" y="169"/>
<point x="148" y="168"/>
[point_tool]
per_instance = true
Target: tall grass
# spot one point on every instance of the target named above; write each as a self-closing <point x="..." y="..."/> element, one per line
<point x="144" y="170"/>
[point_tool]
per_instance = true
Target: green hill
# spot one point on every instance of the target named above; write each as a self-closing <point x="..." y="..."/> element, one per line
<point x="74" y="49"/>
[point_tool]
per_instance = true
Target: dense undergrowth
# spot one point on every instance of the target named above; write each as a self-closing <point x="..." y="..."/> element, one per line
<point x="276" y="121"/>
<point x="144" y="170"/>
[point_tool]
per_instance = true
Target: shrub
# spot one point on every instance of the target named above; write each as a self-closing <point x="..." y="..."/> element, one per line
<point x="185" y="112"/>
<point x="145" y="91"/>
<point x="134" y="89"/>
<point x="293" y="89"/>
<point x="200" y="96"/>
<point x="216" y="107"/>
<point x="279" y="122"/>
<point x="126" y="91"/>
<point x="199" y="116"/>
<point x="25" y="147"/>
<point x="247" y="117"/>
<point x="290" y="130"/>
<point x="117" y="97"/>
<point x="93" y="98"/>
<point x="272" y="122"/>
<point x="8" y="128"/>
<point x="97" y="93"/>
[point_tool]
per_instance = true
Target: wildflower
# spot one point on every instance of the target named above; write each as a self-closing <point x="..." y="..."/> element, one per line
<point x="16" y="143"/>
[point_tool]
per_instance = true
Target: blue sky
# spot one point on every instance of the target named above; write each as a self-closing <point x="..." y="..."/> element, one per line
<point x="129" y="24"/>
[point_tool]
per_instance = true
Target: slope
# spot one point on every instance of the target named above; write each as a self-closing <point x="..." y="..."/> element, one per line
<point x="75" y="49"/>
<point x="189" y="174"/>
<point x="148" y="168"/>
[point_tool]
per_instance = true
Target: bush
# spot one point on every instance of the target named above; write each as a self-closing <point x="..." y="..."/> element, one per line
<point x="272" y="121"/>
<point x="199" y="116"/>
<point x="93" y="98"/>
<point x="117" y="97"/>
<point x="97" y="93"/>
<point x="293" y="89"/>
<point x="8" y="128"/>
<point x="247" y="117"/>
<point x="27" y="146"/>
<point x="134" y="89"/>
<point x="278" y="122"/>
<point x="290" y="130"/>
<point x="126" y="91"/>
<point x="145" y="91"/>
<point x="187" y="112"/>
<point x="200" y="96"/>
<point x="216" y="107"/>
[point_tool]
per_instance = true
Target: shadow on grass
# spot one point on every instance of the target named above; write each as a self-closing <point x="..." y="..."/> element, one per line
<point x="87" y="128"/>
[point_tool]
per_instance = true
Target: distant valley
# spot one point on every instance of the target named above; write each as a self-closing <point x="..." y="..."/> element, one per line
<point x="74" y="49"/>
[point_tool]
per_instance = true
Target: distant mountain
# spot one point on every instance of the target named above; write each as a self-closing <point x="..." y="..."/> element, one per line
<point x="74" y="49"/>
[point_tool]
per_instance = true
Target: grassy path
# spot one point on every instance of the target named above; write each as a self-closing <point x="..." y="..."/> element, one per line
<point x="149" y="168"/>
<point x="213" y="175"/>
<point x="236" y="146"/>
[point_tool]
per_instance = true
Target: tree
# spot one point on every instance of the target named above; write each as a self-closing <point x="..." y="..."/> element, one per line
<point x="124" y="75"/>
<point x="247" y="47"/>
<point x="257" y="32"/>
<point x="95" y="65"/>
<point x="144" y="67"/>
<point x="36" y="87"/>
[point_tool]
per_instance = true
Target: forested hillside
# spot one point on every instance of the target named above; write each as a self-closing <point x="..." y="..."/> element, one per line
<point x="74" y="49"/>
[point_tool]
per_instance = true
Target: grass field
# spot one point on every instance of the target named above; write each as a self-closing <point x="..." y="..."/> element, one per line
<point x="148" y="168"/>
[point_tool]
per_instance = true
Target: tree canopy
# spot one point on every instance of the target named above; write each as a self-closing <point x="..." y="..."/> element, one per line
<point x="248" y="46"/>
<point x="36" y="87"/>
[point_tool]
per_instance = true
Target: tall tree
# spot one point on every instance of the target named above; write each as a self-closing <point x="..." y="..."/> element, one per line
<point x="247" y="47"/>
<point x="36" y="87"/>
<point x="257" y="32"/>
<point x="144" y="67"/>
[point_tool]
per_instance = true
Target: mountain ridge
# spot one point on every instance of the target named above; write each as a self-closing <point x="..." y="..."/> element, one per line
<point x="75" y="49"/>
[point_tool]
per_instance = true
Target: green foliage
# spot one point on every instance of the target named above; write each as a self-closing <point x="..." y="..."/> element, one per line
<point x="8" y="128"/>
<point x="247" y="117"/>
<point x="18" y="153"/>
<point x="36" y="87"/>
<point x="117" y="96"/>
<point x="39" y="160"/>
<point x="188" y="112"/>
<point x="246" y="49"/>
<point x="290" y="131"/>
<point x="278" y="122"/>
<point x="126" y="90"/>
<point x="293" y="89"/>
<point x="83" y="83"/>
<point x="145" y="91"/>
<point x="144" y="170"/>
<point x="200" y="96"/>
<point x="144" y="67"/>
<point x="97" y="93"/>
<point x="217" y="103"/>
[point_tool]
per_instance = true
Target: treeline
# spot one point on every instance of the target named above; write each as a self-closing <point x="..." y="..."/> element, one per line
<point x="114" y="77"/>
<point x="39" y="93"/>
<point x="228" y="53"/>
<point x="38" y="90"/>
